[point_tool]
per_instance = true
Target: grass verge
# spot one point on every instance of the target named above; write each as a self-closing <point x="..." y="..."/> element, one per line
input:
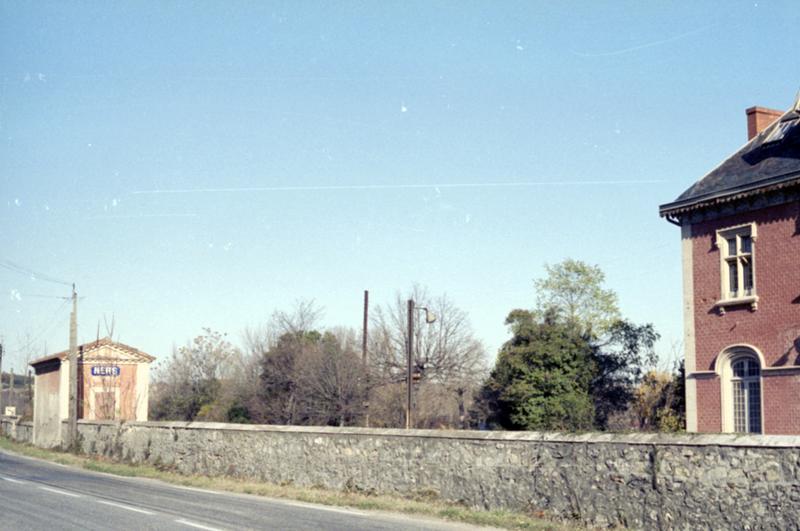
<point x="423" y="505"/>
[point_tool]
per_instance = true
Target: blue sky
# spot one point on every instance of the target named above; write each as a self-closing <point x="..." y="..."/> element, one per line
<point x="201" y="164"/>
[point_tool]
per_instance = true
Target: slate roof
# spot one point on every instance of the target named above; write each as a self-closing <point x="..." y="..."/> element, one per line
<point x="95" y="345"/>
<point x="769" y="160"/>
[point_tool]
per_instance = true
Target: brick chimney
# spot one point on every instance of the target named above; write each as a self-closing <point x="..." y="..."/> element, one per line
<point x="759" y="118"/>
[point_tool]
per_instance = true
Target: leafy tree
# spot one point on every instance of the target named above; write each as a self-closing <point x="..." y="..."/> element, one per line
<point x="678" y="404"/>
<point x="619" y="362"/>
<point x="542" y="376"/>
<point x="306" y="376"/>
<point x="658" y="401"/>
<point x="575" y="290"/>
<point x="570" y="359"/>
<point x="279" y="400"/>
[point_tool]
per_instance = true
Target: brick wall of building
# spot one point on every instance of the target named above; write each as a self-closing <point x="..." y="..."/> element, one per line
<point x="781" y="402"/>
<point x="773" y="328"/>
<point x="125" y="383"/>
<point x="709" y="415"/>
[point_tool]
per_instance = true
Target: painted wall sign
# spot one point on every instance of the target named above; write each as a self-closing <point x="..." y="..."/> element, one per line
<point x="105" y="370"/>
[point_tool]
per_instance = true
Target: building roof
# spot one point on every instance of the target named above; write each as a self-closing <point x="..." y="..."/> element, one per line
<point x="769" y="160"/>
<point x="87" y="348"/>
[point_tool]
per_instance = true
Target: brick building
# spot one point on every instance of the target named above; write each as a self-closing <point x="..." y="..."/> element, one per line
<point x="113" y="384"/>
<point x="740" y="233"/>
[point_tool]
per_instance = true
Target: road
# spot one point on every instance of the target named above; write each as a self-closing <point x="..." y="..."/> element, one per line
<point x="38" y="495"/>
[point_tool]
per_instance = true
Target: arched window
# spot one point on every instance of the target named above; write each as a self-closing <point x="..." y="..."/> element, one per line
<point x="746" y="393"/>
<point x="740" y="370"/>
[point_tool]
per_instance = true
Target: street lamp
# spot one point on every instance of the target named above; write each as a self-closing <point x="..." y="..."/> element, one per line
<point x="429" y="318"/>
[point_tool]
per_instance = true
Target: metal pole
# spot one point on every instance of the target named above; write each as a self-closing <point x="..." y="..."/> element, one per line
<point x="410" y="349"/>
<point x="73" y="373"/>
<point x="364" y="360"/>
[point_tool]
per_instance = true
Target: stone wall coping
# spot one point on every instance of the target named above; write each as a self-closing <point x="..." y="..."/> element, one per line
<point x="16" y="421"/>
<point x="650" y="439"/>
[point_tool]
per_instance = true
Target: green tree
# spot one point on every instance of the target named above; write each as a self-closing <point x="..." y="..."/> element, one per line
<point x="571" y="359"/>
<point x="278" y="395"/>
<point x="574" y="289"/>
<point x="542" y="376"/>
<point x="619" y="360"/>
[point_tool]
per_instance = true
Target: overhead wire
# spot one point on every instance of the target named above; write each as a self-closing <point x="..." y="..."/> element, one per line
<point x="40" y="296"/>
<point x="11" y="266"/>
<point x="54" y="319"/>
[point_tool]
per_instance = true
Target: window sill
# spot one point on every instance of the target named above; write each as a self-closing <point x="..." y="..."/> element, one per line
<point x="752" y="300"/>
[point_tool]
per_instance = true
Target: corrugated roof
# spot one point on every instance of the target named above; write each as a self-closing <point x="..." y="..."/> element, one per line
<point x="771" y="158"/>
<point x="94" y="345"/>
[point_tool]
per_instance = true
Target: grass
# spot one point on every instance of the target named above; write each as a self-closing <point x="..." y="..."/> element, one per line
<point x="424" y="504"/>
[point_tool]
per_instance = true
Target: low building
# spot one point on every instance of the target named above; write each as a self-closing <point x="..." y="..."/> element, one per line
<point x="740" y="232"/>
<point x="113" y="384"/>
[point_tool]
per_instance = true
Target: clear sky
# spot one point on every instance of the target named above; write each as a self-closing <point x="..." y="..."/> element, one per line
<point x="201" y="164"/>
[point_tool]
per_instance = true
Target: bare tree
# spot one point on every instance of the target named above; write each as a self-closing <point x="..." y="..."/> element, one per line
<point x="329" y="380"/>
<point x="307" y="375"/>
<point x="447" y="354"/>
<point x="190" y="382"/>
<point x="280" y="346"/>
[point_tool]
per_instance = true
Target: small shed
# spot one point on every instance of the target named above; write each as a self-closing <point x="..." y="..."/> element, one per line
<point x="113" y="384"/>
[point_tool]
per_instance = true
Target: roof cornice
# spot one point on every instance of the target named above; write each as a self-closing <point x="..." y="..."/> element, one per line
<point x="678" y="208"/>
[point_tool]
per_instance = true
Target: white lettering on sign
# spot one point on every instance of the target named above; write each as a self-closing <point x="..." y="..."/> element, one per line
<point x="105" y="370"/>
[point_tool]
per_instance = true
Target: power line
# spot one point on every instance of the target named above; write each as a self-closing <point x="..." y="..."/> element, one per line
<point x="11" y="266"/>
<point x="49" y="326"/>
<point x="39" y="296"/>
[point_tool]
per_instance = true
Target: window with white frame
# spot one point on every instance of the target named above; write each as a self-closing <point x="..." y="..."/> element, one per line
<point x="746" y="393"/>
<point x="737" y="254"/>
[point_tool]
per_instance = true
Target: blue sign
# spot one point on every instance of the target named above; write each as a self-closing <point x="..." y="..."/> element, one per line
<point x="105" y="370"/>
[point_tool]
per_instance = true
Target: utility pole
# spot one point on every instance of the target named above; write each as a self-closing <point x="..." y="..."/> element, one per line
<point x="30" y="390"/>
<point x="410" y="349"/>
<point x="364" y="360"/>
<point x="2" y="411"/>
<point x="72" y="435"/>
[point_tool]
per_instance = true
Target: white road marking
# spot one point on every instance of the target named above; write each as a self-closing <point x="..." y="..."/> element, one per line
<point x="195" y="489"/>
<point x="280" y="501"/>
<point x="323" y="508"/>
<point x="194" y="524"/>
<point x="126" y="507"/>
<point x="62" y="492"/>
<point x="12" y="480"/>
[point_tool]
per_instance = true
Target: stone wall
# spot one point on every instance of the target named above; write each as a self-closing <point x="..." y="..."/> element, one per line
<point x="647" y="481"/>
<point x="18" y="431"/>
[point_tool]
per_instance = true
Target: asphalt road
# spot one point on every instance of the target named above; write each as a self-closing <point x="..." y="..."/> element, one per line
<point x="36" y="494"/>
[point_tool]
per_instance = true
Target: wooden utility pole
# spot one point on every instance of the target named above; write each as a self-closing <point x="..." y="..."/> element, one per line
<point x="72" y="435"/>
<point x="2" y="411"/>
<point x="364" y="359"/>
<point x="410" y="349"/>
<point x="30" y="390"/>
